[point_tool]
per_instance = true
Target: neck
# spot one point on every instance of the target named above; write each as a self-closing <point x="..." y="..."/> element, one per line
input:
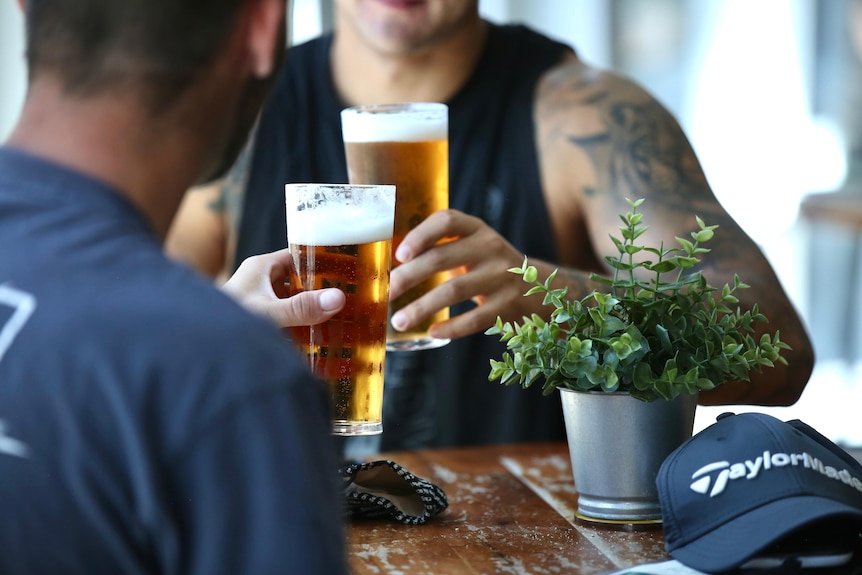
<point x="111" y="138"/>
<point x="364" y="75"/>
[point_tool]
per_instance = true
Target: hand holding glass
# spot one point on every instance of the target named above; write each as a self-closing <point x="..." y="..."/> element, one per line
<point x="341" y="236"/>
<point x="406" y="145"/>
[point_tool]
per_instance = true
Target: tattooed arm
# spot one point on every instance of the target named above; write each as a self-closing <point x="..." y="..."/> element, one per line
<point x="602" y="139"/>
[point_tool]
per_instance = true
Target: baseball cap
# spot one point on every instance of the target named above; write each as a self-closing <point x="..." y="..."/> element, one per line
<point x="750" y="480"/>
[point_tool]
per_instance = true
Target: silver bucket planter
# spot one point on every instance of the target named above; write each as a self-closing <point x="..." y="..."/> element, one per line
<point x="617" y="444"/>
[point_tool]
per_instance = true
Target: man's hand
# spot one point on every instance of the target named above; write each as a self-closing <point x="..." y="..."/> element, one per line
<point x="260" y="285"/>
<point x="477" y="258"/>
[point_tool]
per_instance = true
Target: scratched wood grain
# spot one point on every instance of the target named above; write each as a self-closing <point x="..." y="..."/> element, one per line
<point x="549" y="476"/>
<point x="511" y="511"/>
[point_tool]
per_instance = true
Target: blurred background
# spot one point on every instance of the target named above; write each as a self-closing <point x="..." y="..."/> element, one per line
<point x="767" y="91"/>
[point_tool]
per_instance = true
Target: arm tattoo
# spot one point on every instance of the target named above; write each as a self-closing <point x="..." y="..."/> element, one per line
<point x="641" y="152"/>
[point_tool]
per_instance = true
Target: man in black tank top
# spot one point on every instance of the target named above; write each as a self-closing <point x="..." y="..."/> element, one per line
<point x="544" y="150"/>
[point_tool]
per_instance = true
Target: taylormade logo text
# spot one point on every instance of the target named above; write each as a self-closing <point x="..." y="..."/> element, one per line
<point x="702" y="479"/>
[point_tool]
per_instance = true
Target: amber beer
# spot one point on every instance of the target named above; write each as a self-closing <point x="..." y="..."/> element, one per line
<point x="406" y="145"/>
<point x="341" y="236"/>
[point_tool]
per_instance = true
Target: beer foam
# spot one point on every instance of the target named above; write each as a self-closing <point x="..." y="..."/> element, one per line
<point x="337" y="226"/>
<point x="408" y="125"/>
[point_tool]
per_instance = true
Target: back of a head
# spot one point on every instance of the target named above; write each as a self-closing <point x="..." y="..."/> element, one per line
<point x="151" y="46"/>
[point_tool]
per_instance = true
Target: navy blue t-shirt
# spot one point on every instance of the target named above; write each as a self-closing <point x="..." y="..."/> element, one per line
<point x="148" y="424"/>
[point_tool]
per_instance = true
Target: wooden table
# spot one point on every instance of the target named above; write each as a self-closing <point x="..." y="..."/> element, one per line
<point x="511" y="510"/>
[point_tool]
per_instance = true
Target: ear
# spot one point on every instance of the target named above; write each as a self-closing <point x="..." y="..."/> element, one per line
<point x="265" y="34"/>
<point x="22" y="5"/>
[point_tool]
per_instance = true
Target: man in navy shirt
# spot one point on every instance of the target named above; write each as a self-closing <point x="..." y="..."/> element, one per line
<point x="148" y="423"/>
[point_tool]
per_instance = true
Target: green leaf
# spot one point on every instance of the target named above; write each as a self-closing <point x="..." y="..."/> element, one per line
<point x="686" y="245"/>
<point x="684" y="262"/>
<point x="601" y="279"/>
<point x="703" y="235"/>
<point x="664" y="339"/>
<point x="662" y="267"/>
<point x="617" y="264"/>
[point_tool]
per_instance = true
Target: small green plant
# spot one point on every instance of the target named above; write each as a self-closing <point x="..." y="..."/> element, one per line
<point x="653" y="338"/>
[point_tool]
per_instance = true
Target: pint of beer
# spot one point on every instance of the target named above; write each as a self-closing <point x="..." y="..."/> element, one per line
<point x="406" y="145"/>
<point x="341" y="236"/>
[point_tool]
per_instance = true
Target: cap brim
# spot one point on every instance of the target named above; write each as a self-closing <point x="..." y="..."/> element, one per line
<point x="741" y="538"/>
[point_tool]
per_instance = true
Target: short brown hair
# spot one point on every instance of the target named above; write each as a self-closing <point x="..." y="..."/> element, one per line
<point x="98" y="45"/>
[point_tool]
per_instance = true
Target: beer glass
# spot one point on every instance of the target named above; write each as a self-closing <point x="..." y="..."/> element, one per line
<point x="406" y="145"/>
<point x="341" y="236"/>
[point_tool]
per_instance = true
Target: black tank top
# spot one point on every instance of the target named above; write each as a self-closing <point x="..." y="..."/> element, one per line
<point x="438" y="397"/>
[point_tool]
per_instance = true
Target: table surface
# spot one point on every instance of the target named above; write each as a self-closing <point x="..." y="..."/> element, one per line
<point x="511" y="510"/>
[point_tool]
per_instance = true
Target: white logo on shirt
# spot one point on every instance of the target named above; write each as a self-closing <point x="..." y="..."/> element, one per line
<point x="10" y="445"/>
<point x="23" y="303"/>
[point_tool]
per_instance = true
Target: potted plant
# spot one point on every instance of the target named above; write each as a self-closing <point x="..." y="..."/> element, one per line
<point x="630" y="361"/>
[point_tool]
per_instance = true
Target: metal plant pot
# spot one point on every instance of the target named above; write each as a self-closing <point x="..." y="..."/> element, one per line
<point x="617" y="444"/>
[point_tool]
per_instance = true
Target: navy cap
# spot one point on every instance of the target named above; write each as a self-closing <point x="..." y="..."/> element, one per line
<point x="749" y="480"/>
